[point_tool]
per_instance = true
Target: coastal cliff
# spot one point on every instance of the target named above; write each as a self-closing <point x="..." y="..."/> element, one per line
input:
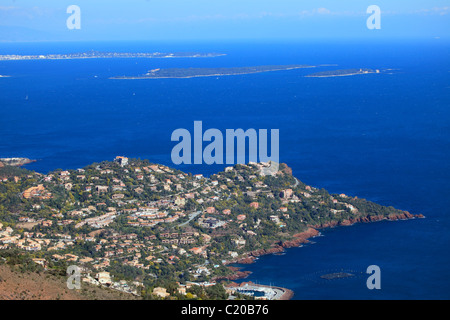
<point x="367" y="219"/>
<point x="299" y="239"/>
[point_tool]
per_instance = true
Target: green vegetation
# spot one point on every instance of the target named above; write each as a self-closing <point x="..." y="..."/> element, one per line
<point x="208" y="72"/>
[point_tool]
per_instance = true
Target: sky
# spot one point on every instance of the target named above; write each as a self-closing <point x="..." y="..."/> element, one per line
<point x="45" y="20"/>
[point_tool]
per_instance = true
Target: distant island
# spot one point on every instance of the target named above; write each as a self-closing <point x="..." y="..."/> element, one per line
<point x="337" y="275"/>
<point x="341" y="73"/>
<point x="102" y="55"/>
<point x="209" y="72"/>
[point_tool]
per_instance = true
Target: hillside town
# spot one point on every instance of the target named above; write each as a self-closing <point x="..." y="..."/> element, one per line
<point x="150" y="230"/>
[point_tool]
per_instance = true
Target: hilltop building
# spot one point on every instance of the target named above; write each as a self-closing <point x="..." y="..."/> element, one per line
<point x="123" y="161"/>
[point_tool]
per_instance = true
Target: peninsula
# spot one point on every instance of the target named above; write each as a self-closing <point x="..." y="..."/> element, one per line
<point x="152" y="231"/>
<point x="342" y="73"/>
<point x="209" y="72"/>
<point x="104" y="55"/>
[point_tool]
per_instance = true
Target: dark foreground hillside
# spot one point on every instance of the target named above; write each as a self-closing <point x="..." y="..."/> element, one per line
<point x="17" y="285"/>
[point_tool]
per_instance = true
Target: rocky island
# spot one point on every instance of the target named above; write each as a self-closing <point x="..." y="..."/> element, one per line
<point x="153" y="231"/>
<point x="337" y="275"/>
<point x="209" y="72"/>
<point x="342" y="73"/>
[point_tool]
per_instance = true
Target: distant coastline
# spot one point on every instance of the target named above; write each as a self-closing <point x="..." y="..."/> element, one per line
<point x="105" y="55"/>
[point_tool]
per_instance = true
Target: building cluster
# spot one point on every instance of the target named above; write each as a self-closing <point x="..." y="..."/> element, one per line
<point x="145" y="215"/>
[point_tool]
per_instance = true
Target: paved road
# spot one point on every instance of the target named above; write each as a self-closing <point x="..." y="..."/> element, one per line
<point x="191" y="217"/>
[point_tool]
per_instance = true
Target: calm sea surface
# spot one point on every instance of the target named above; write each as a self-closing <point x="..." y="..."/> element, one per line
<point x="384" y="137"/>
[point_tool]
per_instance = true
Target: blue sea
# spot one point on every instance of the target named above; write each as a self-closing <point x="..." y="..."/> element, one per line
<point x="384" y="137"/>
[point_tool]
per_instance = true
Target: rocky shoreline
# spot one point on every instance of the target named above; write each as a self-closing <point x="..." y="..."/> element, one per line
<point x="302" y="238"/>
<point x="250" y="257"/>
<point x="15" y="162"/>
<point x="368" y="219"/>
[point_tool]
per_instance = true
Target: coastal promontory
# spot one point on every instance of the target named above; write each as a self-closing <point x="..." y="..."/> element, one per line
<point x="133" y="225"/>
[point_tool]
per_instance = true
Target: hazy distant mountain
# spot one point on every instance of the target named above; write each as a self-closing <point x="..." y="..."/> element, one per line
<point x="17" y="34"/>
<point x="12" y="33"/>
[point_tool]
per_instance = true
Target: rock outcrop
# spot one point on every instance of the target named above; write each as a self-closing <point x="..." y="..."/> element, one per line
<point x="366" y="219"/>
<point x="237" y="274"/>
<point x="301" y="238"/>
<point x="286" y="169"/>
<point x="17" y="162"/>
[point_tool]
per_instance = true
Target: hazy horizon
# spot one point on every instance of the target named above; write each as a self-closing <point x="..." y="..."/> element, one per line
<point x="200" y="20"/>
